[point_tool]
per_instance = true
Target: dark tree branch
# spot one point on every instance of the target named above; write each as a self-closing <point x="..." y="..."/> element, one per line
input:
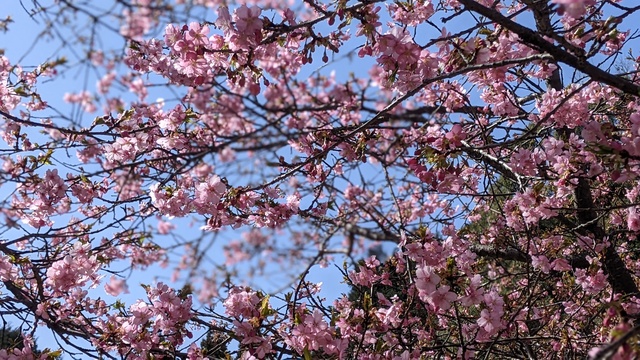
<point x="535" y="40"/>
<point x="488" y="251"/>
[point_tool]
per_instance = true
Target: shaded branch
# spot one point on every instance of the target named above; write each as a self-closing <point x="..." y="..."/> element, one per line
<point x="535" y="40"/>
<point x="488" y="251"/>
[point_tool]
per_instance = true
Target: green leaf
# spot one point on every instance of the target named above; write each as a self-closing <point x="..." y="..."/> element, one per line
<point x="52" y="354"/>
<point x="46" y="159"/>
<point x="367" y="302"/>
<point x="99" y="120"/>
<point x="307" y="354"/>
<point x="265" y="310"/>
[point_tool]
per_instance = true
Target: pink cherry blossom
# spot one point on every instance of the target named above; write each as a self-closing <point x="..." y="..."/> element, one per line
<point x="574" y="8"/>
<point x="116" y="286"/>
<point x="247" y="19"/>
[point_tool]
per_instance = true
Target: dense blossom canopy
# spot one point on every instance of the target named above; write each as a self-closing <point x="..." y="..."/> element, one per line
<point x="470" y="167"/>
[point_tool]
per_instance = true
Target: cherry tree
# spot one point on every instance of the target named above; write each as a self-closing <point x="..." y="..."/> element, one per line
<point x="491" y="146"/>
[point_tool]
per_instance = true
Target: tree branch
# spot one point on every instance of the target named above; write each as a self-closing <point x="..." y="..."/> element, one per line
<point x="532" y="38"/>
